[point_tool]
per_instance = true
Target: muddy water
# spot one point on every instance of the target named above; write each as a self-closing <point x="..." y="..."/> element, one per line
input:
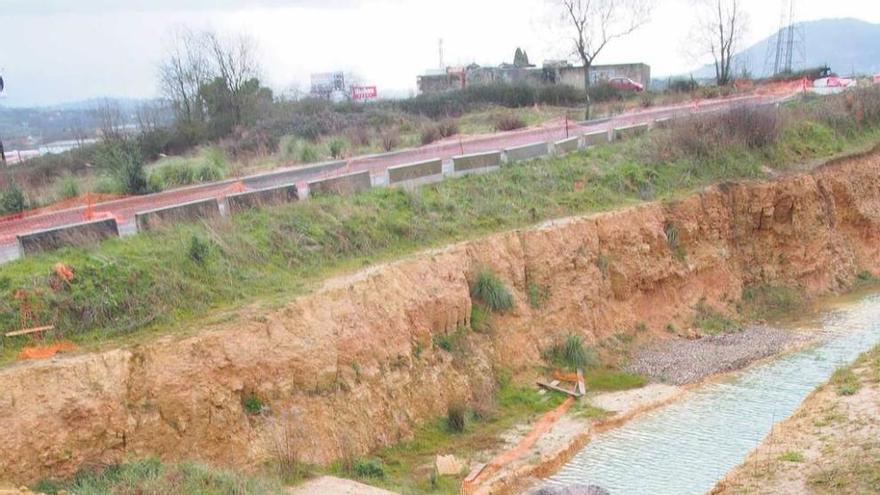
<point x="685" y="448"/>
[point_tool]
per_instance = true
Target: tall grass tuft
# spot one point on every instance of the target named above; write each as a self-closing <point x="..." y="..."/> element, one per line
<point x="489" y="289"/>
<point x="571" y="353"/>
<point x="456" y="417"/>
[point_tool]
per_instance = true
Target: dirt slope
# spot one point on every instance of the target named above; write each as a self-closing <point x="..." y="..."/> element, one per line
<point x="352" y="366"/>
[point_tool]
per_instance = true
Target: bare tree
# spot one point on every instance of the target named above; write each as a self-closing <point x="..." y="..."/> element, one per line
<point x="150" y="116"/>
<point x="595" y="23"/>
<point x="722" y="24"/>
<point x="234" y="61"/>
<point x="183" y="73"/>
<point x="111" y="121"/>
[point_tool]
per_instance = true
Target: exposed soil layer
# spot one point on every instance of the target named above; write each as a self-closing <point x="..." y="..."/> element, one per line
<point x="352" y="367"/>
<point x="831" y="445"/>
<point x="681" y="362"/>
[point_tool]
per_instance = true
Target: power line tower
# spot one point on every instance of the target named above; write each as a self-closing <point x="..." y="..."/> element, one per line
<point x="440" y="45"/>
<point x="790" y="42"/>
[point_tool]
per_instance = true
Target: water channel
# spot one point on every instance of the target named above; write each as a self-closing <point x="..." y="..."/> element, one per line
<point x="686" y="447"/>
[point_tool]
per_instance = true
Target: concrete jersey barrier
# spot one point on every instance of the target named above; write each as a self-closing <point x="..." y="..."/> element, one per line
<point x="77" y="234"/>
<point x="341" y="184"/>
<point x="255" y="199"/>
<point x="410" y="171"/>
<point x="594" y="138"/>
<point x="284" y="177"/>
<point x="569" y="145"/>
<point x="159" y="217"/>
<point x="464" y="163"/>
<point x="629" y="131"/>
<point x="527" y="152"/>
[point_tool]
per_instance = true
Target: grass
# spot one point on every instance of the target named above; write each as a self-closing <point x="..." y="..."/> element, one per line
<point x="252" y="404"/>
<point x="148" y="283"/>
<point x="153" y="477"/>
<point x="408" y="465"/>
<point x="537" y="295"/>
<point x="845" y="381"/>
<point x="792" y="456"/>
<point x="767" y="301"/>
<point x="713" y="322"/>
<point x="492" y="291"/>
<point x="570" y="353"/>
<point x="610" y="380"/>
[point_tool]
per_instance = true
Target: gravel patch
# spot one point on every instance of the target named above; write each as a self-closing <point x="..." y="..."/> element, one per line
<point x="681" y="361"/>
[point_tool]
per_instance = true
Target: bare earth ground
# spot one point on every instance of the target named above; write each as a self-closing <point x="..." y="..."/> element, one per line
<point x="831" y="445"/>
<point x="326" y="485"/>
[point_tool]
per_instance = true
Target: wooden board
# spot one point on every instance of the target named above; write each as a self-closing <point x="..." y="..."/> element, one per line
<point x="582" y="387"/>
<point x="29" y="331"/>
<point x="550" y="386"/>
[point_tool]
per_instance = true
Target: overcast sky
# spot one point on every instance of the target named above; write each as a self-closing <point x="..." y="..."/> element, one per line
<point x="65" y="50"/>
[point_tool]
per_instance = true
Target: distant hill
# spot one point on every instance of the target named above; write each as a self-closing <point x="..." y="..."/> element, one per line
<point x="846" y="45"/>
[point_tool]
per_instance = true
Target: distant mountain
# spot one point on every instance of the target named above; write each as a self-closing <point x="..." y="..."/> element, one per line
<point x="846" y="45"/>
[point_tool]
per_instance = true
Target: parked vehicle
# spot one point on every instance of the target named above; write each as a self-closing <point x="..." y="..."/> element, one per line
<point x="625" y="84"/>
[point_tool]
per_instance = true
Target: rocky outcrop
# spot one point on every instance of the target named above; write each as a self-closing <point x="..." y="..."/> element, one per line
<point x="351" y="366"/>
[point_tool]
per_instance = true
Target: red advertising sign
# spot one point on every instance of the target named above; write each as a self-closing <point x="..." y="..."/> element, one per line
<point x="364" y="92"/>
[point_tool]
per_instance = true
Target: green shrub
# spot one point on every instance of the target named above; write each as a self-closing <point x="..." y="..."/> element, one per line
<point x="491" y="290"/>
<point x="68" y="188"/>
<point x="198" y="250"/>
<point x="126" y="164"/>
<point x="369" y="468"/>
<point x="537" y="295"/>
<point x="713" y="322"/>
<point x="253" y="404"/>
<point x="337" y="148"/>
<point x="767" y="301"/>
<point x="571" y="353"/>
<point x="444" y="341"/>
<point x="456" y="417"/>
<point x="480" y="319"/>
<point x="308" y="153"/>
<point x="12" y="199"/>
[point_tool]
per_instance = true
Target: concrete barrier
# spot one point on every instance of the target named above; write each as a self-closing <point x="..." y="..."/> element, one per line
<point x="160" y="217"/>
<point x="662" y="123"/>
<point x="284" y="177"/>
<point x="77" y="234"/>
<point x="527" y="152"/>
<point x="410" y="171"/>
<point x="464" y="163"/>
<point x="342" y="184"/>
<point x="254" y="199"/>
<point x="629" y="131"/>
<point x="566" y="146"/>
<point x="598" y="137"/>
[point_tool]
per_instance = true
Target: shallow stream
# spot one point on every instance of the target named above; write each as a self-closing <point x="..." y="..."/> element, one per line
<point x="686" y="447"/>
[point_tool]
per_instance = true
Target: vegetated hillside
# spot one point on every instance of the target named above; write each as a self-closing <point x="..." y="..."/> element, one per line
<point x="846" y="45"/>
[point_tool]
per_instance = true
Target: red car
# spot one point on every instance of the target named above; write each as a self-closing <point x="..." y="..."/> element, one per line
<point x="625" y="84"/>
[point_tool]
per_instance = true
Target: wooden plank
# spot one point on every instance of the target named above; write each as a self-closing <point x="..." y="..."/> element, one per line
<point x="558" y="389"/>
<point x="582" y="387"/>
<point x="29" y="331"/>
<point x="543" y="391"/>
<point x="475" y="473"/>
